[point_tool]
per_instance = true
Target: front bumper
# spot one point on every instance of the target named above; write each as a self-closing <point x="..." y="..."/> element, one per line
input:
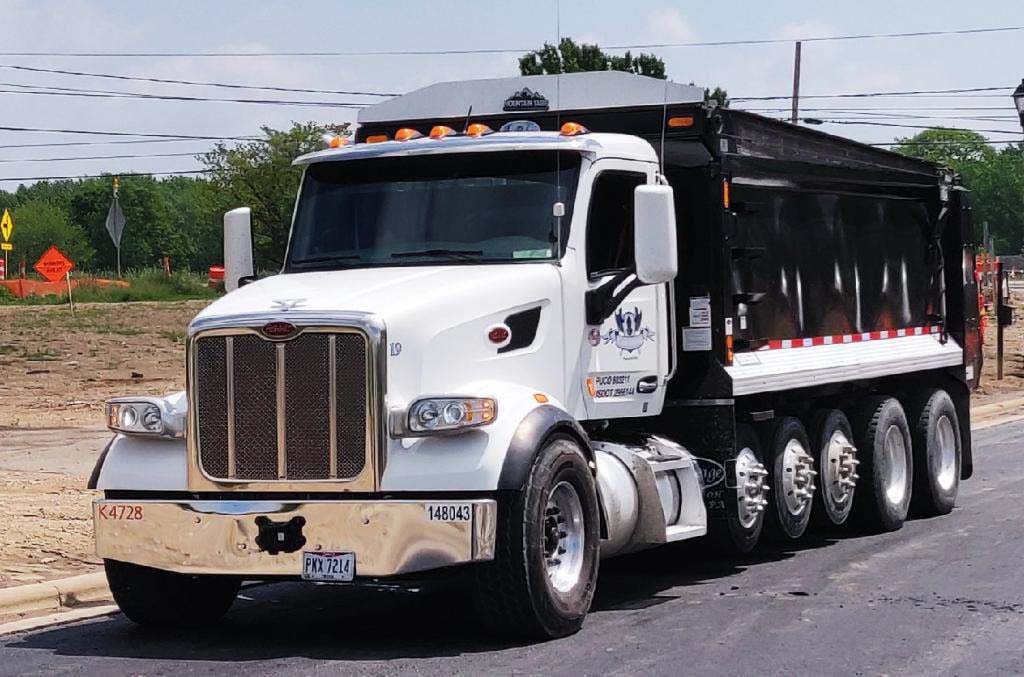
<point x="224" y="537"/>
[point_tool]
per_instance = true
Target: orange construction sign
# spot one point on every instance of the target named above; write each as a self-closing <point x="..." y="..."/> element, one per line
<point x="53" y="265"/>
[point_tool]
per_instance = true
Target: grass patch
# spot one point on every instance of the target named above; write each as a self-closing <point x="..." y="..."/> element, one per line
<point x="174" y="336"/>
<point x="38" y="356"/>
<point x="7" y="349"/>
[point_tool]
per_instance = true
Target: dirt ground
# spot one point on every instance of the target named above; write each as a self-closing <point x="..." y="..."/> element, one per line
<point x="55" y="373"/>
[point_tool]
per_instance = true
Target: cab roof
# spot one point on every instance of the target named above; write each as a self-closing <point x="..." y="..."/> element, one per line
<point x="602" y="145"/>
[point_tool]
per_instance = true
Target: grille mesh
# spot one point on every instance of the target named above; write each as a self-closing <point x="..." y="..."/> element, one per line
<point x="306" y="395"/>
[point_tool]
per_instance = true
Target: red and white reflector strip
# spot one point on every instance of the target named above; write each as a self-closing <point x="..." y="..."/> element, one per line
<point x="776" y="344"/>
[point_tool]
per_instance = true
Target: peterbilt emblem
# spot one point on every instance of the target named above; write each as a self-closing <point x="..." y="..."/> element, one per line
<point x="630" y="335"/>
<point x="279" y="330"/>
<point x="526" y="99"/>
<point x="284" y="305"/>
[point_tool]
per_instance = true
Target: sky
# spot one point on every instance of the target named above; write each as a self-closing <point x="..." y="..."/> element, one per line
<point x="944" y="62"/>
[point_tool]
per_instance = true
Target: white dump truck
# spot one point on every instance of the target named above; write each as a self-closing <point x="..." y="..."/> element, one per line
<point x="525" y="324"/>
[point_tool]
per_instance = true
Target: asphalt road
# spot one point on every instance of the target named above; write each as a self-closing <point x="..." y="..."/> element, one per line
<point x="941" y="596"/>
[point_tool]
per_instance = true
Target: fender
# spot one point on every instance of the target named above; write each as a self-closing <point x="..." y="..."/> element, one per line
<point x="536" y="427"/>
<point x="94" y="477"/>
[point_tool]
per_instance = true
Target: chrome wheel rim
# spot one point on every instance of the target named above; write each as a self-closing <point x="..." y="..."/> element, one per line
<point x="797" y="480"/>
<point x="750" y="487"/>
<point x="946" y="439"/>
<point x="839" y="473"/>
<point x="895" y="452"/>
<point x="564" y="537"/>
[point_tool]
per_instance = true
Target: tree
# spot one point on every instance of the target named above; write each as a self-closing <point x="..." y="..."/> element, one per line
<point x="717" y="95"/>
<point x="569" y="57"/>
<point x="994" y="177"/>
<point x="260" y="175"/>
<point x="40" y="225"/>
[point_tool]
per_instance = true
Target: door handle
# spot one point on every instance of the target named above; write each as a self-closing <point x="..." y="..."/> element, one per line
<point x="647" y="385"/>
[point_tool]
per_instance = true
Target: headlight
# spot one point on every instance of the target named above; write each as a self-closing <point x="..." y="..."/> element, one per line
<point x="143" y="416"/>
<point x="442" y="414"/>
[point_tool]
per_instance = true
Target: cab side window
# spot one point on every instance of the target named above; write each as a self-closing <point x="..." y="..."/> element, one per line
<point x="610" y="222"/>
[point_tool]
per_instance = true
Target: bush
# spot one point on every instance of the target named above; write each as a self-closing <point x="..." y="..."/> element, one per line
<point x="39" y="225"/>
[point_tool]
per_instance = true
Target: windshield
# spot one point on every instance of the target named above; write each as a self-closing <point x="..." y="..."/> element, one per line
<point x="420" y="210"/>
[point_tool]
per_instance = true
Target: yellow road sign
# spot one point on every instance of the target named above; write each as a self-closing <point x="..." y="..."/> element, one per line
<point x="6" y="226"/>
<point x="6" y="247"/>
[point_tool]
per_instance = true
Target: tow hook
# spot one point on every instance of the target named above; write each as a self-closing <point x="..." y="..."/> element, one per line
<point x="278" y="537"/>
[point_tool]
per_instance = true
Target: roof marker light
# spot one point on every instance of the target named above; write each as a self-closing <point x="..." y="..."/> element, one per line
<point x="441" y="131"/>
<point x="574" y="129"/>
<point x="376" y="138"/>
<point x="407" y="134"/>
<point x="478" y="129"/>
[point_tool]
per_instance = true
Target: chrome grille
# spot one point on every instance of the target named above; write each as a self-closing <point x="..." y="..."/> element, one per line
<point x="281" y="410"/>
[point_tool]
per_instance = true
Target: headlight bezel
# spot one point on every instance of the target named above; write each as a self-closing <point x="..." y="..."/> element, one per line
<point x="473" y="412"/>
<point x="143" y="417"/>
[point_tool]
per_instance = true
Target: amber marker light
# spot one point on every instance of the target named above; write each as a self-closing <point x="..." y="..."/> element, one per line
<point x="441" y="131"/>
<point x="726" y="197"/>
<point x="377" y="138"/>
<point x="478" y="129"/>
<point x="541" y="398"/>
<point x="682" y="121"/>
<point x="573" y="129"/>
<point x="407" y="134"/>
<point x="337" y="142"/>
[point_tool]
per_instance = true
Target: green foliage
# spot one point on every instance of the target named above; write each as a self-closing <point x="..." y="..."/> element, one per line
<point x="261" y="176"/>
<point x="717" y="95"/>
<point x="995" y="178"/>
<point x="40" y="225"/>
<point x="569" y="57"/>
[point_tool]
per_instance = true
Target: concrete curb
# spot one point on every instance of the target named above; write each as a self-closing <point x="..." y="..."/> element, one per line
<point x="997" y="408"/>
<point x="53" y="596"/>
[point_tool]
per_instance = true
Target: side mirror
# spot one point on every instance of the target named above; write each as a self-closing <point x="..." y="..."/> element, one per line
<point x="654" y="234"/>
<point x="237" y="247"/>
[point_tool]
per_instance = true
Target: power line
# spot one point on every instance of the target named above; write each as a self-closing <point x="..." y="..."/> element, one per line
<point x="941" y="143"/>
<point x="101" y="176"/>
<point x="861" y="95"/>
<point x="508" y="50"/>
<point x="107" y="94"/>
<point x="893" y="124"/>
<point x="181" y="137"/>
<point x="101" y="157"/>
<point x="98" y="143"/>
<point x="194" y="83"/>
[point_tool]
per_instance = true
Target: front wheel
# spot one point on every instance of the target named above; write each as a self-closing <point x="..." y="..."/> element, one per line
<point x="544" y="573"/>
<point x="156" y="597"/>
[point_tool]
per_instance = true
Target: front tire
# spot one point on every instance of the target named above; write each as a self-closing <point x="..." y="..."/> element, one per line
<point x="542" y="580"/>
<point x="887" y="465"/>
<point x="935" y="431"/>
<point x="164" y="598"/>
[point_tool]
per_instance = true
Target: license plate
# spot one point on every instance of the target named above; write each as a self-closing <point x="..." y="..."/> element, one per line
<point x="328" y="566"/>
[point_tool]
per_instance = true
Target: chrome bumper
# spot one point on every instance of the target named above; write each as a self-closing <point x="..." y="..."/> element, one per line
<point x="220" y="537"/>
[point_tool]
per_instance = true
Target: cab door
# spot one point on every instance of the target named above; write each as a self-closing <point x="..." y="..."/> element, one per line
<point x="627" y="355"/>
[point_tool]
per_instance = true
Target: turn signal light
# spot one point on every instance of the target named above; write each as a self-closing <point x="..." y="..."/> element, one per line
<point x="682" y="121"/>
<point x="407" y="134"/>
<point x="478" y="129"/>
<point x="376" y="138"/>
<point x="574" y="129"/>
<point x="441" y="131"/>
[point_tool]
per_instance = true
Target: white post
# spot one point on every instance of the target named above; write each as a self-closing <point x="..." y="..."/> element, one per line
<point x="237" y="246"/>
<point x="71" y="304"/>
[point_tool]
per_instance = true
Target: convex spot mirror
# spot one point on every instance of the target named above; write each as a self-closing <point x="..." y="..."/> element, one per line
<point x="654" y="233"/>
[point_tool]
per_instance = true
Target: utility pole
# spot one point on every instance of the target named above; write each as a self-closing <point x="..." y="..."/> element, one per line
<point x="796" y="85"/>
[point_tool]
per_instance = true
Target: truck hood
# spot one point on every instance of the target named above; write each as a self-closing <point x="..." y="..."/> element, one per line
<point x="391" y="293"/>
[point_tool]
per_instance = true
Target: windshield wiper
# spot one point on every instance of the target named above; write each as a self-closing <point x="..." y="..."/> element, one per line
<point x="463" y="254"/>
<point x="327" y="257"/>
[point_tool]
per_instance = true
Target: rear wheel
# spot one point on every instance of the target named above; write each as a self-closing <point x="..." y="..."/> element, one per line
<point x="739" y="533"/>
<point x="164" y="598"/>
<point x="792" y="474"/>
<point x="935" y="432"/>
<point x="887" y="464"/>
<point x="833" y="448"/>
<point x="542" y="579"/>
